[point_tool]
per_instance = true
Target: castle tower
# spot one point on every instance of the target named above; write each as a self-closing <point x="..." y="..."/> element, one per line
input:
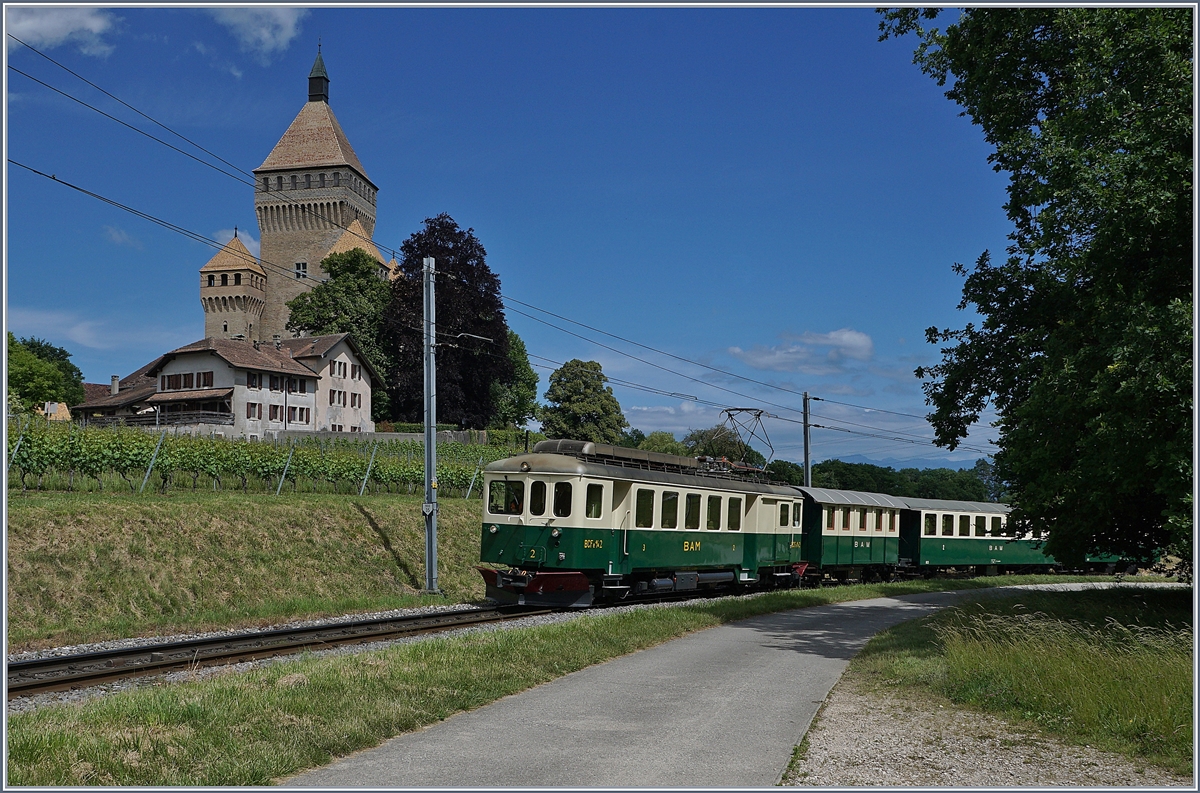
<point x="309" y="190"/>
<point x="233" y="292"/>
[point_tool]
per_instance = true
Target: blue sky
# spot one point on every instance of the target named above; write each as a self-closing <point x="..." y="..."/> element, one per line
<point x="772" y="192"/>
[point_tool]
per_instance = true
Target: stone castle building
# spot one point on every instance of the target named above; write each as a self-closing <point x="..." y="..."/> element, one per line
<point x="312" y="198"/>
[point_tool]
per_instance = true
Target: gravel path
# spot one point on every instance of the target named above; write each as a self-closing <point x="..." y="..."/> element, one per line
<point x="872" y="738"/>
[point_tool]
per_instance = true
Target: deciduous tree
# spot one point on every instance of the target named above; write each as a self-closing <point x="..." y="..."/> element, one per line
<point x="516" y="400"/>
<point x="580" y="405"/>
<point x="72" y="391"/>
<point x="472" y="333"/>
<point x="1085" y="344"/>
<point x="32" y="381"/>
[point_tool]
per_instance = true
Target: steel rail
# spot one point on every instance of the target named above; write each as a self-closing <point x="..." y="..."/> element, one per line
<point x="58" y="673"/>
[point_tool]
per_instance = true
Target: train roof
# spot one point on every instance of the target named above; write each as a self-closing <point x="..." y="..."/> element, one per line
<point x="825" y="495"/>
<point x="568" y="465"/>
<point x="943" y="505"/>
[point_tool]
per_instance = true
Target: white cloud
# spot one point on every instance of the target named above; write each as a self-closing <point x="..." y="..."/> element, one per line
<point x="97" y="334"/>
<point x="225" y="235"/>
<point x="264" y="31"/>
<point x="49" y="27"/>
<point x="810" y="353"/>
<point x="121" y="237"/>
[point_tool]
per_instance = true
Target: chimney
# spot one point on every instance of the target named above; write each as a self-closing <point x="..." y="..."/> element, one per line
<point x="278" y="341"/>
<point x="115" y="388"/>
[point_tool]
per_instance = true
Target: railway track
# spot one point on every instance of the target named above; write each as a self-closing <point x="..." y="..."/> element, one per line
<point x="60" y="673"/>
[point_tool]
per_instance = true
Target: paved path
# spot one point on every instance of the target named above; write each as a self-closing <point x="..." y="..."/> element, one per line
<point x="723" y="707"/>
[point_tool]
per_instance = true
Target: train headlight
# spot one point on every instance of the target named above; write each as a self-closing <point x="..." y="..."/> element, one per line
<point x="555" y="533"/>
<point x="492" y="530"/>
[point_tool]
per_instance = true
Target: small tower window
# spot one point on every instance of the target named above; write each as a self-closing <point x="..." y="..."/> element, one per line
<point x="302" y="269"/>
<point x="224" y="279"/>
<point x="307" y="181"/>
<point x="225" y="327"/>
<point x="293" y="181"/>
<point x="278" y="182"/>
<point x="212" y="280"/>
<point x="337" y="180"/>
<point x="266" y="184"/>
<point x="237" y="279"/>
<point x="322" y="180"/>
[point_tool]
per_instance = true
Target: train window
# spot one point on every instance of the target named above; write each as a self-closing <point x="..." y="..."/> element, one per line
<point x="964" y="525"/>
<point x="594" y="504"/>
<point x="829" y="517"/>
<point x="980" y="525"/>
<point x="880" y="515"/>
<point x="506" y="498"/>
<point x="894" y="526"/>
<point x="714" y="512"/>
<point x="947" y="525"/>
<point x="795" y="515"/>
<point x="644" y="511"/>
<point x="783" y="514"/>
<point x="846" y="518"/>
<point x="537" y="498"/>
<point x="691" y="511"/>
<point x="562" y="499"/>
<point x="670" y="510"/>
<point x="863" y="514"/>
<point x="930" y="525"/>
<point x="996" y="527"/>
<point x="734" y="521"/>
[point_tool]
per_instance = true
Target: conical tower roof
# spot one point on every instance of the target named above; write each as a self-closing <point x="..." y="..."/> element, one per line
<point x="234" y="256"/>
<point x="355" y="236"/>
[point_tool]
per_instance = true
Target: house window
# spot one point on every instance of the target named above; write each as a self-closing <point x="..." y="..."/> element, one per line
<point x="237" y="279"/>
<point x="252" y="380"/>
<point x="302" y="269"/>
<point x="274" y="413"/>
<point x="291" y="414"/>
<point x="275" y="382"/>
<point x="212" y="280"/>
<point x="249" y="410"/>
<point x="173" y="381"/>
<point x="187" y="380"/>
<point x="332" y="397"/>
<point x="332" y="369"/>
<point x="354" y="429"/>
<point x="355" y="372"/>
<point x="204" y="379"/>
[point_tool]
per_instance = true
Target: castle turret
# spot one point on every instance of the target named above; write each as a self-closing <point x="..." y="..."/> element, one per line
<point x="233" y="290"/>
<point x="310" y="189"/>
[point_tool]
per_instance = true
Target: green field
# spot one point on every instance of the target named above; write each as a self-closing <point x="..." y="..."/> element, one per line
<point x="89" y="566"/>
<point x="1109" y="668"/>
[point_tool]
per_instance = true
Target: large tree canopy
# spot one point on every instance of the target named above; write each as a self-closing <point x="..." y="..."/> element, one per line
<point x="1084" y="348"/>
<point x="472" y="352"/>
<point x="351" y="301"/>
<point x="516" y="401"/>
<point x="581" y="407"/>
<point x="31" y="380"/>
<point x="72" y="379"/>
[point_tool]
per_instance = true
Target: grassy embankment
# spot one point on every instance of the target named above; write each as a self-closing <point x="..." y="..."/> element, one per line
<point x="89" y="566"/>
<point x="1111" y="669"/>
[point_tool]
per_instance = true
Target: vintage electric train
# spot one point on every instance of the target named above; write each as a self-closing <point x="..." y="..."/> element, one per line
<point x="578" y="522"/>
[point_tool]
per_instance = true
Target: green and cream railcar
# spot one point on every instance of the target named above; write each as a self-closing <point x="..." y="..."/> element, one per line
<point x="850" y="534"/>
<point x="937" y="533"/>
<point x="575" y="521"/>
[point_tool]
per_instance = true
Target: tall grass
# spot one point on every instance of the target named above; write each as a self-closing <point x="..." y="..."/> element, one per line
<point x="1111" y="668"/>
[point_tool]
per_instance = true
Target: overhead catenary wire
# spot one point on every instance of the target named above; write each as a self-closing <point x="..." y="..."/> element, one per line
<point x="307" y="209"/>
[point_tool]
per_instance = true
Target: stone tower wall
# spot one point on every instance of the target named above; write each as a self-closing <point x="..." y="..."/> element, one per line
<point x="232" y="310"/>
<point x="301" y="224"/>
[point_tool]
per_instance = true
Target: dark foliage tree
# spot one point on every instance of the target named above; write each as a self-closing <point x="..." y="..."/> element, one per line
<point x="786" y="471"/>
<point x="468" y="302"/>
<point x="1085" y="344"/>
<point x="351" y="301"/>
<point x="963" y="484"/>
<point x="580" y="406"/>
<point x="664" y="442"/>
<point x="72" y="391"/>
<point x="516" y="400"/>
<point x="632" y="438"/>
<point x="721" y="441"/>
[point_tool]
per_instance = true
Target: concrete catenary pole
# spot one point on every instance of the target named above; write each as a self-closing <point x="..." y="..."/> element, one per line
<point x="430" y="507"/>
<point x="807" y="466"/>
